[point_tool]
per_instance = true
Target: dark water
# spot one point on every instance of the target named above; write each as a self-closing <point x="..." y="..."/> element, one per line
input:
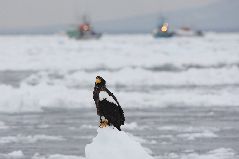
<point x="168" y="130"/>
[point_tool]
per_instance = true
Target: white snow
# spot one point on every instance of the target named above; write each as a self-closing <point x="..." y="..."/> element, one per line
<point x="220" y="153"/>
<point x="27" y="53"/>
<point x="84" y="126"/>
<point x="43" y="126"/>
<point x="56" y="156"/>
<point x="13" y="155"/>
<point x="189" y="132"/>
<point x="111" y="143"/>
<point x="16" y="154"/>
<point x="130" y="126"/>
<point x="141" y="71"/>
<point x="193" y="136"/>
<point x="134" y="126"/>
<point x="187" y="128"/>
<point x="28" y="139"/>
<point x="34" y="98"/>
<point x="3" y="125"/>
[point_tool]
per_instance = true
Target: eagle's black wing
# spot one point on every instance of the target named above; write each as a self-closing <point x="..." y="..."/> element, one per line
<point x="118" y="109"/>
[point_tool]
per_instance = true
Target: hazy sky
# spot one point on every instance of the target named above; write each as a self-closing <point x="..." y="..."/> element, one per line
<point x="31" y="13"/>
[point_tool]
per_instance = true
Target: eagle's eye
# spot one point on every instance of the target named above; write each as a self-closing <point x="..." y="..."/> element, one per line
<point x="97" y="81"/>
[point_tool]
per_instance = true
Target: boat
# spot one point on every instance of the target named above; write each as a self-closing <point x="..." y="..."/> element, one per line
<point x="83" y="31"/>
<point x="162" y="30"/>
<point x="188" y="32"/>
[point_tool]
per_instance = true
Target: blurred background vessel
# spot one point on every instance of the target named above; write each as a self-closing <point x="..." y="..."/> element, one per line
<point x="83" y="31"/>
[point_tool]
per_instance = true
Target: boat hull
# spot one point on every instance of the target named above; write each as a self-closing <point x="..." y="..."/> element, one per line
<point x="78" y="35"/>
<point x="163" y="34"/>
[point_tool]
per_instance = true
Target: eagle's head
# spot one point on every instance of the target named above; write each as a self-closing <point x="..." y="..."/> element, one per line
<point x="100" y="82"/>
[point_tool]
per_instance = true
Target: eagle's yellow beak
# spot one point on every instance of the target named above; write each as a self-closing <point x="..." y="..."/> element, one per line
<point x="97" y="80"/>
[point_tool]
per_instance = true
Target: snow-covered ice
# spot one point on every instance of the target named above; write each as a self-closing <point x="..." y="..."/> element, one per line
<point x="180" y="95"/>
<point x="56" y="156"/>
<point x="28" y="139"/>
<point x="131" y="126"/>
<point x="203" y="134"/>
<point x="111" y="143"/>
<point x="3" y="125"/>
<point x="220" y="153"/>
<point x="170" y="131"/>
<point x="54" y="71"/>
<point x="13" y="155"/>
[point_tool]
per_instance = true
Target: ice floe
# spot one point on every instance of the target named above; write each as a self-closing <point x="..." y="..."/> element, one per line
<point x="111" y="143"/>
<point x="28" y="139"/>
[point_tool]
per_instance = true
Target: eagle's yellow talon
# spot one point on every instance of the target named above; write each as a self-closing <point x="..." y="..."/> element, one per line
<point x="104" y="123"/>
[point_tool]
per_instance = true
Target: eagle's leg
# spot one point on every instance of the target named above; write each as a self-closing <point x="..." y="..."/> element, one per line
<point x="103" y="122"/>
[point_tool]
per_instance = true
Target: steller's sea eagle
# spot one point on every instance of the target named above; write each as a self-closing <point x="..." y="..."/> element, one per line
<point x="108" y="108"/>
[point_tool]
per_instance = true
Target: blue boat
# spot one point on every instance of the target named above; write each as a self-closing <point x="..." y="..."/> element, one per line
<point x="162" y="31"/>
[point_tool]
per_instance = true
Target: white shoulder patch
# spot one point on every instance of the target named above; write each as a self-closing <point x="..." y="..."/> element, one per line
<point x="104" y="95"/>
